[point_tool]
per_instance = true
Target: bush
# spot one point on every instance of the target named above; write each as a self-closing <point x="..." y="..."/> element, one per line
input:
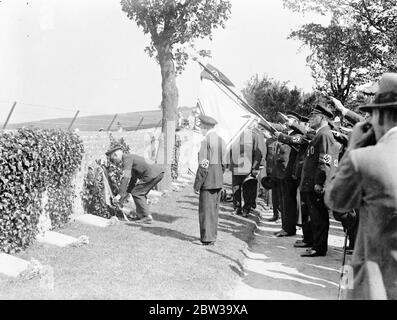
<point x="33" y="161"/>
<point x="93" y="194"/>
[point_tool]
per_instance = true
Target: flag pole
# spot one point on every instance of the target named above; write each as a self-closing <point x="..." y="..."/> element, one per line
<point x="244" y="103"/>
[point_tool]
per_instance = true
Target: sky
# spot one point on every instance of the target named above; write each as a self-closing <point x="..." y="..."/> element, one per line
<point x="61" y="56"/>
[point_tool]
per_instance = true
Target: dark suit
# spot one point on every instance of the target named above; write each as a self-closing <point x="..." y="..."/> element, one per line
<point x="135" y="167"/>
<point x="246" y="155"/>
<point x="209" y="181"/>
<point x="290" y="183"/>
<point x="320" y="163"/>
<point x="271" y="147"/>
<point x="280" y="162"/>
<point x="367" y="179"/>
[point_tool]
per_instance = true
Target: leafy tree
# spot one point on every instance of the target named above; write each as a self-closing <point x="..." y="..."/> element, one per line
<point x="340" y="57"/>
<point x="268" y="96"/>
<point x="377" y="19"/>
<point x="173" y="26"/>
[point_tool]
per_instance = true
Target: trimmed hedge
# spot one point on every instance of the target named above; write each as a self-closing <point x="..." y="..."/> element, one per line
<point x="33" y="161"/>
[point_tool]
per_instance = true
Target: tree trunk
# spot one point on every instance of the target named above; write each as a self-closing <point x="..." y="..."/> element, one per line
<point x="169" y="105"/>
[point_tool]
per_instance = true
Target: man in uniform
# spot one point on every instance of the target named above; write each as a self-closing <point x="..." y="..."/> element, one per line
<point x="367" y="179"/>
<point x="320" y="163"/>
<point x="295" y="140"/>
<point x="135" y="167"/>
<point x="245" y="159"/>
<point x="209" y="179"/>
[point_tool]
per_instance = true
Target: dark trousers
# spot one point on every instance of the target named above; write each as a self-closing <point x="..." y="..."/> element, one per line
<point x="139" y="193"/>
<point x="248" y="192"/>
<point x="277" y="196"/>
<point x="208" y="214"/>
<point x="319" y="216"/>
<point x="289" y="188"/>
<point x="306" y="223"/>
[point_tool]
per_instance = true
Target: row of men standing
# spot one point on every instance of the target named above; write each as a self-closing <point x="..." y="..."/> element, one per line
<point x="301" y="159"/>
<point x="297" y="161"/>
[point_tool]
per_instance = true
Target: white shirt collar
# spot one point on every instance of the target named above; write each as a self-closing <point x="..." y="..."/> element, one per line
<point x="388" y="133"/>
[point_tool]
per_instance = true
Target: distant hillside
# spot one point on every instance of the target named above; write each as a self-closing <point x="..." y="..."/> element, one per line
<point x="129" y="121"/>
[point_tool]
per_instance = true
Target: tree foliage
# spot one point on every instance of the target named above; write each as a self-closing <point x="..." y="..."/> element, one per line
<point x="358" y="45"/>
<point x="269" y="96"/>
<point x="173" y="25"/>
<point x="340" y="57"/>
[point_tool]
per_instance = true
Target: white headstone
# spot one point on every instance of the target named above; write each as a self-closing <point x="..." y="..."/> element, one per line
<point x="90" y="219"/>
<point x="12" y="266"/>
<point x="56" y="239"/>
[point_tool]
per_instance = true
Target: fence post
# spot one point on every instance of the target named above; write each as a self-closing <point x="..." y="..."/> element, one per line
<point x="9" y="115"/>
<point x="111" y="123"/>
<point x="74" y="119"/>
<point x="139" y="124"/>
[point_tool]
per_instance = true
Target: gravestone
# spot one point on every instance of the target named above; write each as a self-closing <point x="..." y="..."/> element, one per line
<point x="92" y="220"/>
<point x="56" y="239"/>
<point x="12" y="266"/>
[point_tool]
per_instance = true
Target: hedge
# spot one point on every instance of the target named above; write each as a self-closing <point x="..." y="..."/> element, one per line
<point x="33" y="161"/>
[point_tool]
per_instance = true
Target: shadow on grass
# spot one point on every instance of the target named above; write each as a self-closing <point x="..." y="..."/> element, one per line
<point x="285" y="272"/>
<point x="164" y="232"/>
<point x="238" y="267"/>
<point x="164" y="217"/>
<point x="241" y="228"/>
<point x="193" y="203"/>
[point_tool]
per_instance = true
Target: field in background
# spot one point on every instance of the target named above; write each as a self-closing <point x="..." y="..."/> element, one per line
<point x="129" y="121"/>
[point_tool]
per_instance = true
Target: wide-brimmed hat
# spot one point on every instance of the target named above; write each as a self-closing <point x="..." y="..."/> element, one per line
<point x="386" y="95"/>
<point x="113" y="149"/>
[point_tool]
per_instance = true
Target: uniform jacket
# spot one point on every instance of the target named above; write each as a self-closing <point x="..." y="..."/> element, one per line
<point x="135" y="167"/>
<point x="246" y="153"/>
<point x="211" y="160"/>
<point x="297" y="141"/>
<point x="367" y="179"/>
<point x="280" y="161"/>
<point x="271" y="148"/>
<point x="321" y="160"/>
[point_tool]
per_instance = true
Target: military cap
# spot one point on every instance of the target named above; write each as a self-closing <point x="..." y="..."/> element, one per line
<point x="297" y="116"/>
<point x="386" y="94"/>
<point x="207" y="120"/>
<point x="304" y="119"/>
<point x="113" y="149"/>
<point x="322" y="109"/>
<point x="294" y="115"/>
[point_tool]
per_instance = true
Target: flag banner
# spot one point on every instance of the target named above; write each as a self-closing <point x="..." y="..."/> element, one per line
<point x="216" y="101"/>
<point x="107" y="190"/>
<point x="217" y="73"/>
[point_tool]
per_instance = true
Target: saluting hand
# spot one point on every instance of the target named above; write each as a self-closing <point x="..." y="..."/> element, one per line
<point x="338" y="105"/>
<point x="362" y="135"/>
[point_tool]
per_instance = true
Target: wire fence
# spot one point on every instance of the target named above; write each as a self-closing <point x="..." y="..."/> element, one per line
<point x="17" y="114"/>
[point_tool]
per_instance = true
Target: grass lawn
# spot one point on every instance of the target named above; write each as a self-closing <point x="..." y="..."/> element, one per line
<point x="130" y="261"/>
